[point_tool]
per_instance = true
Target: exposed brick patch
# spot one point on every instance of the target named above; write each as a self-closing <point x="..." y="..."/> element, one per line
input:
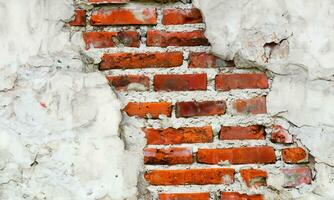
<point x="294" y="155"/>
<point x="185" y="196"/>
<point x="129" y="82"/>
<point x="238" y="196"/>
<point x="256" y="105"/>
<point x="108" y="1"/>
<point x="122" y="16"/>
<point x="203" y="108"/>
<point x="241" y="155"/>
<point x="280" y="135"/>
<point x="179" y="135"/>
<point x="180" y="82"/>
<point x="226" y="82"/>
<point x="168" y="156"/>
<point x="111" y="39"/>
<point x="254" y="177"/>
<point x="191" y="176"/>
<point x="79" y="18"/>
<point x="202" y="60"/>
<point x="163" y="38"/>
<point x="296" y="176"/>
<point x="254" y="132"/>
<point x="181" y="16"/>
<point x="148" y="110"/>
<point x="141" y="60"/>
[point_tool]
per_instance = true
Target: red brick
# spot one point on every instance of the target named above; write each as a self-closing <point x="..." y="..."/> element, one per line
<point x="202" y="60"/>
<point x="141" y="60"/>
<point x="238" y="196"/>
<point x="191" y="176"/>
<point x="79" y="18"/>
<point x="294" y="155"/>
<point x="184" y="196"/>
<point x="296" y="176"/>
<point x="256" y="105"/>
<point x="163" y="39"/>
<point x="130" y="82"/>
<point x="179" y="135"/>
<point x="148" y="110"/>
<point x="242" y="155"/>
<point x="168" y="156"/>
<point x="122" y="16"/>
<point x="180" y="82"/>
<point x="254" y="177"/>
<point x="111" y="39"/>
<point x="253" y="132"/>
<point x="204" y="108"/>
<point x="108" y="1"/>
<point x="280" y="135"/>
<point x="181" y="16"/>
<point x="226" y="82"/>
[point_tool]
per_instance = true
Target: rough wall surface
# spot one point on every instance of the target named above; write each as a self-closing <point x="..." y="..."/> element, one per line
<point x="293" y="41"/>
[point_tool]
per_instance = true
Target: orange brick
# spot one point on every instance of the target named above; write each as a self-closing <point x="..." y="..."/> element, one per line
<point x="123" y="16"/>
<point x="79" y="18"/>
<point x="141" y="60"/>
<point x="179" y="135"/>
<point x="148" y="109"/>
<point x="294" y="155"/>
<point x="253" y="132"/>
<point x="254" y="177"/>
<point x="256" y="105"/>
<point x="242" y="155"/>
<point x="184" y="196"/>
<point x="111" y="39"/>
<point x="191" y="176"/>
<point x="238" y="196"/>
<point x="226" y="82"/>
<point x="202" y="60"/>
<point x="181" y="16"/>
<point x="163" y="39"/>
<point x="168" y="156"/>
<point x="203" y="108"/>
<point x="129" y="82"/>
<point x="180" y="82"/>
<point x="280" y="135"/>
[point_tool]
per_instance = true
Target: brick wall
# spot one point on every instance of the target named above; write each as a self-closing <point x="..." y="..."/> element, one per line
<point x="208" y="135"/>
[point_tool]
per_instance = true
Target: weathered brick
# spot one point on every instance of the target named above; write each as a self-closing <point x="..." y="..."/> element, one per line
<point x="79" y="18"/>
<point x="130" y="82"/>
<point x="168" y="156"/>
<point x="179" y="135"/>
<point x="296" y="176"/>
<point x="163" y="39"/>
<point x="141" y="60"/>
<point x="280" y="135"/>
<point x="184" y="196"/>
<point x="123" y="16"/>
<point x="181" y="16"/>
<point x="242" y="155"/>
<point x="111" y="39"/>
<point x="204" y="108"/>
<point x="180" y="82"/>
<point x="108" y="1"/>
<point x="191" y="176"/>
<point x="256" y="105"/>
<point x="294" y="155"/>
<point x="202" y="60"/>
<point x="254" y="177"/>
<point x="148" y="109"/>
<point x="254" y="132"/>
<point x="226" y="82"/>
<point x="238" y="196"/>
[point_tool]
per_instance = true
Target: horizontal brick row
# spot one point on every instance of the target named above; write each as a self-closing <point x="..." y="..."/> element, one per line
<point x="240" y="155"/>
<point x="206" y="196"/>
<point x="192" y="108"/>
<point x="111" y="39"/>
